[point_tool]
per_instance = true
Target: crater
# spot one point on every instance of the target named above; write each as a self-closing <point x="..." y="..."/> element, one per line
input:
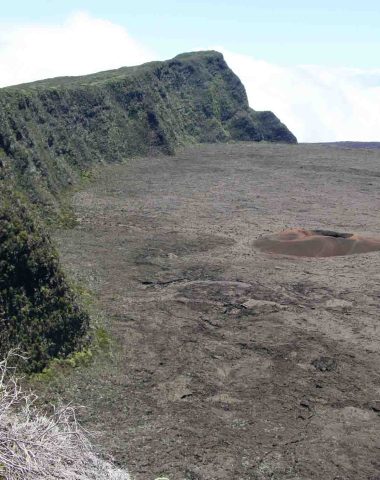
<point x="300" y="242"/>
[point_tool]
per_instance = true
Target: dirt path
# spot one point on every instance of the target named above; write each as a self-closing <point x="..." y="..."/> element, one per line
<point x="235" y="364"/>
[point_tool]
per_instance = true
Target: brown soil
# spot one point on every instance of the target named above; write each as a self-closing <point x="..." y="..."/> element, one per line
<point x="316" y="243"/>
<point x="233" y="363"/>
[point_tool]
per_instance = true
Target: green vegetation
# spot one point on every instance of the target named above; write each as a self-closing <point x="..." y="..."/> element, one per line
<point x="52" y="131"/>
<point x="39" y="313"/>
<point x="59" y="367"/>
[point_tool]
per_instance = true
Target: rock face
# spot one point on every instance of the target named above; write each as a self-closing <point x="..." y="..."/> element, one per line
<point x="52" y="130"/>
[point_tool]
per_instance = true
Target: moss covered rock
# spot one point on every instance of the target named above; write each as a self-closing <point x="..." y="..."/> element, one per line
<point x="38" y="311"/>
<point x="54" y="129"/>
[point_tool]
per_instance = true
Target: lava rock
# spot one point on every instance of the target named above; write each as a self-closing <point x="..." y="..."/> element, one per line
<point x="325" y="364"/>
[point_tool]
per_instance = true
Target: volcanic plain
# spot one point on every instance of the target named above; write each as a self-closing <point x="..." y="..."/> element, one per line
<point x="229" y="362"/>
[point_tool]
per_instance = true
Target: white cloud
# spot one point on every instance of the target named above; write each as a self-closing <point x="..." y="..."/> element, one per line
<point x="316" y="103"/>
<point x="81" y="44"/>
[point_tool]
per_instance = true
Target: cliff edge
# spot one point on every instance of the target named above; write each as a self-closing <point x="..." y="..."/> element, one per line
<point x="53" y="129"/>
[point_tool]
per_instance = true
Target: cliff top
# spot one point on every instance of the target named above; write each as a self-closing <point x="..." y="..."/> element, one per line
<point x="110" y="76"/>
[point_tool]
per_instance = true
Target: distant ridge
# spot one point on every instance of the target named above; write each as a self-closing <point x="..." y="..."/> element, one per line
<point x="348" y="144"/>
<point x="53" y="130"/>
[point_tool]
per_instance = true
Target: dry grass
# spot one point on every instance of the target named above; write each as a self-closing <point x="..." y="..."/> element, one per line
<point x="34" y="446"/>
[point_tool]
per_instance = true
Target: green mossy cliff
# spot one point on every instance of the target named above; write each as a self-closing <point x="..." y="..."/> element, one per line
<point x="52" y="130"/>
<point x="39" y="314"/>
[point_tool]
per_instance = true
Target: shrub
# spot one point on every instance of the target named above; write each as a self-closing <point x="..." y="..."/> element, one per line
<point x="38" y="311"/>
<point x="34" y="446"/>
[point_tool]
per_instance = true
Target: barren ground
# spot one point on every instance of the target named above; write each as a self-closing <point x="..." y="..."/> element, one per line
<point x="203" y="387"/>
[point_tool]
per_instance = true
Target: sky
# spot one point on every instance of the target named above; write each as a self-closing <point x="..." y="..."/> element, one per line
<point x="315" y="64"/>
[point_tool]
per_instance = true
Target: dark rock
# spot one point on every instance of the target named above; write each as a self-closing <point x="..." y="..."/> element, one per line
<point x="375" y="406"/>
<point x="325" y="364"/>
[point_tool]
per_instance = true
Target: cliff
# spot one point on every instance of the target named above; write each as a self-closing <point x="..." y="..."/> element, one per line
<point x="52" y="130"/>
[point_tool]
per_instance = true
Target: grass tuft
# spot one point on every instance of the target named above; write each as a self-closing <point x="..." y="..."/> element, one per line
<point x="38" y="446"/>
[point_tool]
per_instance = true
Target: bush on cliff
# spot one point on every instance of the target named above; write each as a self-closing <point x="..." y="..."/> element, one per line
<point x="38" y="311"/>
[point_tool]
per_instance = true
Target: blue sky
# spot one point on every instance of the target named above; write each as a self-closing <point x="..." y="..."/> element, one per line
<point x="289" y="32"/>
<point x="315" y="64"/>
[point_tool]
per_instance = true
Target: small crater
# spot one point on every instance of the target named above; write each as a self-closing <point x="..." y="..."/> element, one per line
<point x="316" y="243"/>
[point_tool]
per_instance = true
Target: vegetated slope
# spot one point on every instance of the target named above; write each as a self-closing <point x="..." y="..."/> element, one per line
<point x="52" y="129"/>
<point x="39" y="314"/>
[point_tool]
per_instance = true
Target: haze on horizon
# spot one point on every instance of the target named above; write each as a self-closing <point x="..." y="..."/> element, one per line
<point x="315" y="66"/>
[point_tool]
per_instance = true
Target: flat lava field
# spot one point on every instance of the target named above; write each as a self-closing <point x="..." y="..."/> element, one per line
<point x="231" y="363"/>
